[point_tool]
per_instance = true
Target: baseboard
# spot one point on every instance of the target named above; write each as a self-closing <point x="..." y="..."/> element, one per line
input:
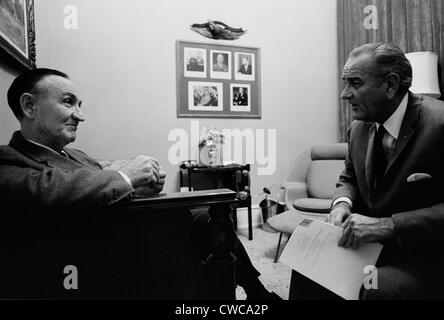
<point x="242" y="217"/>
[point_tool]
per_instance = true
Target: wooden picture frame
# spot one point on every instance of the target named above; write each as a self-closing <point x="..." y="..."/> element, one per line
<point x="209" y="78"/>
<point x="17" y="31"/>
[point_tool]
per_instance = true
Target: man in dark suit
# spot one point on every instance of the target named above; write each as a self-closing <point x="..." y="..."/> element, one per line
<point x="242" y="98"/>
<point x="391" y="189"/>
<point x="50" y="189"/>
<point x="245" y="65"/>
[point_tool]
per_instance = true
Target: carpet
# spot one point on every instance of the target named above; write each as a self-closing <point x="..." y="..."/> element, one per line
<point x="262" y="249"/>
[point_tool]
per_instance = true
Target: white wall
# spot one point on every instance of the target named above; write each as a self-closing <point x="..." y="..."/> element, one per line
<point x="8" y="124"/>
<point x="122" y="57"/>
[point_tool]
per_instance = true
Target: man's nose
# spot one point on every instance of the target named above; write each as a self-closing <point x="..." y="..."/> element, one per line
<point x="77" y="114"/>
<point x="346" y="93"/>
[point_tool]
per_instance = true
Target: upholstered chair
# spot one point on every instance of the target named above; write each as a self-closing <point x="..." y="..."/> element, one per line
<point x="309" y="187"/>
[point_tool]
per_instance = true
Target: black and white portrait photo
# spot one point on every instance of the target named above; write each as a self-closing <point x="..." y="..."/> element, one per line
<point x="244" y="64"/>
<point x="220" y="64"/>
<point x="240" y="97"/>
<point x="195" y="62"/>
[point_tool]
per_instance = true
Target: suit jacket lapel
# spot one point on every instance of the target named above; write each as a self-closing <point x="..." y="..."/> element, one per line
<point x="407" y="128"/>
<point x="42" y="155"/>
<point x="78" y="158"/>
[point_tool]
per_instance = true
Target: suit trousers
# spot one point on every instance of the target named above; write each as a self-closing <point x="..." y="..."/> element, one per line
<point x="401" y="278"/>
<point x="246" y="273"/>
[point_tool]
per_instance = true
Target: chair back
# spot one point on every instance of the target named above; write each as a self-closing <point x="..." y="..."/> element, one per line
<point x="327" y="162"/>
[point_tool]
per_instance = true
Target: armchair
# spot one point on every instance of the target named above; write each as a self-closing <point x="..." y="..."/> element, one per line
<point x="309" y="186"/>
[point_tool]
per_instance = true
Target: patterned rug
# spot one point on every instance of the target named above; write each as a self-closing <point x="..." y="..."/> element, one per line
<point x="262" y="249"/>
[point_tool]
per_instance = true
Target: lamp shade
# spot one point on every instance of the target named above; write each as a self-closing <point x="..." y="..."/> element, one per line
<point x="425" y="73"/>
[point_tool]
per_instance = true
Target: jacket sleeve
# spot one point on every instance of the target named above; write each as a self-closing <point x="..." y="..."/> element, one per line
<point x="416" y="226"/>
<point x="347" y="183"/>
<point x="54" y="187"/>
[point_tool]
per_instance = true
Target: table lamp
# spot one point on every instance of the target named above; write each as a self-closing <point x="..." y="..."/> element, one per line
<point x="425" y="73"/>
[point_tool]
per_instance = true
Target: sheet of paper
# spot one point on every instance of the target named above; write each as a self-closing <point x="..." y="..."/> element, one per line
<point x="313" y="251"/>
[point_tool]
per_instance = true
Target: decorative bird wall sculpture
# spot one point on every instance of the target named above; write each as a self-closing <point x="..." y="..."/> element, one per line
<point x="217" y="30"/>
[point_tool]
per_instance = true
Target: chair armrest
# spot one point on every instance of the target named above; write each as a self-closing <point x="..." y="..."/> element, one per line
<point x="293" y="191"/>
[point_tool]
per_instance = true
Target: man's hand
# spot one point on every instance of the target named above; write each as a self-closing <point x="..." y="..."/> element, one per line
<point x="158" y="186"/>
<point x="359" y="229"/>
<point x="152" y="188"/>
<point x="339" y="213"/>
<point x="142" y="171"/>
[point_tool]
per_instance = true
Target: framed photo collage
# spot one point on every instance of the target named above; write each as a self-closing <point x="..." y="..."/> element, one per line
<point x="217" y="81"/>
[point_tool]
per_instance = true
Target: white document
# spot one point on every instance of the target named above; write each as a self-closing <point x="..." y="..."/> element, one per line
<point x="313" y="251"/>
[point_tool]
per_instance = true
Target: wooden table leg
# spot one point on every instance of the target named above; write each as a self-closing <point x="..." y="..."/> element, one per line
<point x="222" y="259"/>
<point x="250" y="219"/>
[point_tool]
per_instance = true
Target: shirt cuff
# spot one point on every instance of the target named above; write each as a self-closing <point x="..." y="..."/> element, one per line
<point x="343" y="199"/>
<point x="127" y="179"/>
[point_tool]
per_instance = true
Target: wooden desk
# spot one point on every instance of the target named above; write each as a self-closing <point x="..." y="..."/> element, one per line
<point x="216" y="279"/>
<point x="234" y="177"/>
<point x="140" y="248"/>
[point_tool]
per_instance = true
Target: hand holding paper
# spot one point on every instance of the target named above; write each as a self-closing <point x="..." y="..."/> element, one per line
<point x="313" y="251"/>
<point x="360" y="229"/>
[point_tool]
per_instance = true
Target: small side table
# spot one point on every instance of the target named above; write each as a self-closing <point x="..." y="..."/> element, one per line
<point x="234" y="177"/>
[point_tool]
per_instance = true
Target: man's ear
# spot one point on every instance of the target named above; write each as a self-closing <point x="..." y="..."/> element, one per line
<point x="27" y="103"/>
<point x="392" y="80"/>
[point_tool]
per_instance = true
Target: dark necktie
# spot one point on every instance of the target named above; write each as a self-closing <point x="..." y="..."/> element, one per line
<point x="380" y="160"/>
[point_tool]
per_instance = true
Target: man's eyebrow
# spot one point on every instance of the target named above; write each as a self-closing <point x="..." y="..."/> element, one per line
<point x="70" y="94"/>
<point x="73" y="96"/>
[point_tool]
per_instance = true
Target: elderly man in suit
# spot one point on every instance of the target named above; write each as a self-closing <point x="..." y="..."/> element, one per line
<point x="53" y="187"/>
<point x="51" y="190"/>
<point x="391" y="190"/>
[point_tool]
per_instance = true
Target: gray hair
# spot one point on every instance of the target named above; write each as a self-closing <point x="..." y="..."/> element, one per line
<point x="388" y="58"/>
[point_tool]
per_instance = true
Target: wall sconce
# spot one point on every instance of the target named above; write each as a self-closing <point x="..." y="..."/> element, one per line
<point x="425" y="73"/>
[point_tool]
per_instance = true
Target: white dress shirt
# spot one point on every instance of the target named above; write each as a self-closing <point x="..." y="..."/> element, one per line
<point x="392" y="127"/>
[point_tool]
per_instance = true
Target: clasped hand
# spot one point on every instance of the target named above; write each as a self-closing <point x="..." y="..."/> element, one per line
<point x="358" y="229"/>
<point x="146" y="175"/>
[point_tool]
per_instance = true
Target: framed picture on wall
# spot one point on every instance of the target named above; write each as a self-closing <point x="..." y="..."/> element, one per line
<point x="226" y="82"/>
<point x="205" y="96"/>
<point x="195" y="62"/>
<point x="220" y="62"/>
<point x="244" y="64"/>
<point x="240" y="97"/>
<point x="17" y="31"/>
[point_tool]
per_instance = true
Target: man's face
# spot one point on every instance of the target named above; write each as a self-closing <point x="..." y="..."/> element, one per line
<point x="57" y="111"/>
<point x="245" y="61"/>
<point x="220" y="59"/>
<point x="363" y="91"/>
<point x="193" y="61"/>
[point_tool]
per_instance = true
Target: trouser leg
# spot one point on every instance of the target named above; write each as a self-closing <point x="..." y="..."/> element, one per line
<point x="403" y="282"/>
<point x="246" y="273"/>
